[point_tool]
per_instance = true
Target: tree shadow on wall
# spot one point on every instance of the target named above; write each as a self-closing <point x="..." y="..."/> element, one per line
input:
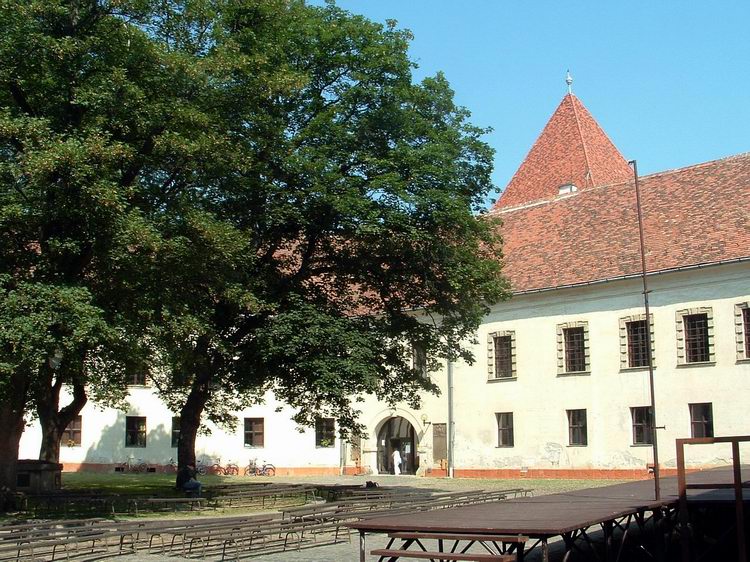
<point x="110" y="448"/>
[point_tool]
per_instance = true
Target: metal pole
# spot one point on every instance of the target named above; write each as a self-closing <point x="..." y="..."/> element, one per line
<point x="657" y="490"/>
<point x="451" y="431"/>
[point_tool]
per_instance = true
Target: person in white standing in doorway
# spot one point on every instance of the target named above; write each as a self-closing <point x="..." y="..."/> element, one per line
<point x="396" y="461"/>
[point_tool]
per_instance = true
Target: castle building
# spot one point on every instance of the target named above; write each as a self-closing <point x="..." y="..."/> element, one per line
<point x="560" y="385"/>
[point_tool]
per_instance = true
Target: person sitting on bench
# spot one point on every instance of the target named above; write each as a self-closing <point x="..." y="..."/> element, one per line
<point x="187" y="481"/>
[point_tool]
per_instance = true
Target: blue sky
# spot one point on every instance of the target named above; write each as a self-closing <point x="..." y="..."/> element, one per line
<point x="668" y="81"/>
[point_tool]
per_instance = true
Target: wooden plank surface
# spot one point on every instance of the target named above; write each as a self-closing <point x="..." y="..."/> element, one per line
<point x="550" y="515"/>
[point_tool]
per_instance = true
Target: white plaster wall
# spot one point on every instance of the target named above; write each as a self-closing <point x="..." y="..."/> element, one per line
<point x="103" y="437"/>
<point x="538" y="397"/>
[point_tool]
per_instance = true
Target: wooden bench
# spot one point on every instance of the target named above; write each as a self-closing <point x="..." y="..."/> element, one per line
<point x="165" y="502"/>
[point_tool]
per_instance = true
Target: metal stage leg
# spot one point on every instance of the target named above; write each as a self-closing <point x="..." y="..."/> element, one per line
<point x="361" y="546"/>
<point x="607" y="525"/>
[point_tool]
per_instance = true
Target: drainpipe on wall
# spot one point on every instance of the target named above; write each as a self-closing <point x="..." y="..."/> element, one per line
<point x="451" y="425"/>
<point x="342" y="456"/>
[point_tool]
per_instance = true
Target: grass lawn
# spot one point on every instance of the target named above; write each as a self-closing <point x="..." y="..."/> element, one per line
<point x="162" y="485"/>
<point x="144" y="484"/>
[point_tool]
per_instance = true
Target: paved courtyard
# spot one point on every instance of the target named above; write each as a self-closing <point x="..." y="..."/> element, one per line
<point x="349" y="551"/>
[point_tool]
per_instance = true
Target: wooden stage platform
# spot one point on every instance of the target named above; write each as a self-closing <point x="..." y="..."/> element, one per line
<point x="569" y="515"/>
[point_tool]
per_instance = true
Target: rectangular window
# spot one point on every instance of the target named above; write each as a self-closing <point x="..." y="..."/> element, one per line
<point x="504" y="429"/>
<point x="419" y="359"/>
<point x="577" y="427"/>
<point x="746" y="330"/>
<point x="325" y="432"/>
<point x="637" y="343"/>
<point x="503" y="356"/>
<point x="575" y="349"/>
<point x="175" y="431"/>
<point x="135" y="431"/>
<point x="643" y="424"/>
<point x="696" y="338"/>
<point x="71" y="437"/>
<point x="701" y="420"/>
<point x="254" y="432"/>
<point x="137" y="379"/>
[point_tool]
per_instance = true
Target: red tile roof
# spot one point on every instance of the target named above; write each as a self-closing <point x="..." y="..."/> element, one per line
<point x="571" y="149"/>
<point x="692" y="216"/>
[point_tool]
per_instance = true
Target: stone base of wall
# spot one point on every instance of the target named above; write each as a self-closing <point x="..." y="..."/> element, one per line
<point x="559" y="473"/>
<point x="280" y="470"/>
<point x="488" y="473"/>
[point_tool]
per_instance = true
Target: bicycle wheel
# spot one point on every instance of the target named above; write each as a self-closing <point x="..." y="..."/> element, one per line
<point x="232" y="470"/>
<point x="201" y="469"/>
<point x="269" y="470"/>
<point x="249" y="470"/>
<point x="216" y="469"/>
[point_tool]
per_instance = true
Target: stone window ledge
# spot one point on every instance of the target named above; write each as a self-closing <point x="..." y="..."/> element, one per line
<point x="575" y="374"/>
<point x="635" y="369"/>
<point x="502" y="379"/>
<point x="696" y="364"/>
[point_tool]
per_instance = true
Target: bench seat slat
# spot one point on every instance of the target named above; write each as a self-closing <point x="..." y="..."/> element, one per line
<point x="467" y="556"/>
<point x="461" y="537"/>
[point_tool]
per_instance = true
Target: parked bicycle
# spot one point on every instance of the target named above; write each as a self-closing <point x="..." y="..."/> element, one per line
<point x="253" y="469"/>
<point x="203" y="466"/>
<point x="231" y="469"/>
<point x="170" y="467"/>
<point x="132" y="465"/>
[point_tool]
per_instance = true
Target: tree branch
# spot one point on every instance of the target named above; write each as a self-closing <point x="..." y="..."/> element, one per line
<point x="20" y="98"/>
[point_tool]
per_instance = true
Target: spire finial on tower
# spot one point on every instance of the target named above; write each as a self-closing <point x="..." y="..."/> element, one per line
<point x="569" y="81"/>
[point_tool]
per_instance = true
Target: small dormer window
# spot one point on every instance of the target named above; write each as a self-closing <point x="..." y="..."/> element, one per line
<point x="567" y="188"/>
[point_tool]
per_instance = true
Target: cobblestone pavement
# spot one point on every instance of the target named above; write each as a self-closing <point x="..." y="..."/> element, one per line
<point x="349" y="551"/>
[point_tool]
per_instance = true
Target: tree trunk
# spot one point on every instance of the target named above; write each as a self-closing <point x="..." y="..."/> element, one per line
<point x="190" y="418"/>
<point x="12" y="408"/>
<point x="53" y="419"/>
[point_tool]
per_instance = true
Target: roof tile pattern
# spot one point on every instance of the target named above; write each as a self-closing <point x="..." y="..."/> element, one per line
<point x="692" y="216"/>
<point x="571" y="149"/>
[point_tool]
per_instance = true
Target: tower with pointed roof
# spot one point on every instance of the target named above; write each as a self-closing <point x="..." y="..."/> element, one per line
<point x="572" y="152"/>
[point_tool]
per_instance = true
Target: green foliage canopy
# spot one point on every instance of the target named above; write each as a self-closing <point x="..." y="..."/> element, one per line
<point x="254" y="190"/>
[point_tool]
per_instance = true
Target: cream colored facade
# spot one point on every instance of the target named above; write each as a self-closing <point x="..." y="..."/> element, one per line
<point x="538" y="396"/>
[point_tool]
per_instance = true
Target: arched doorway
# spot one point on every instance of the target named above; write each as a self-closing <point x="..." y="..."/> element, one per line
<point x="397" y="433"/>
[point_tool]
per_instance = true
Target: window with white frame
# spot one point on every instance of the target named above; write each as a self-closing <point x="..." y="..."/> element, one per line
<point x="501" y="355"/>
<point x="695" y="336"/>
<point x="573" y="352"/>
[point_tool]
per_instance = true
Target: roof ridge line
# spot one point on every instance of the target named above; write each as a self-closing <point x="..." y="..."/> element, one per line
<point x="556" y="198"/>
<point x="698" y="165"/>
<point x="589" y="172"/>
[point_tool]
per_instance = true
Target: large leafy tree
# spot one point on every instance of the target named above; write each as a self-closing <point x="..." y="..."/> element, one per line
<point x="255" y="190"/>
<point x="87" y="101"/>
<point x="337" y="227"/>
